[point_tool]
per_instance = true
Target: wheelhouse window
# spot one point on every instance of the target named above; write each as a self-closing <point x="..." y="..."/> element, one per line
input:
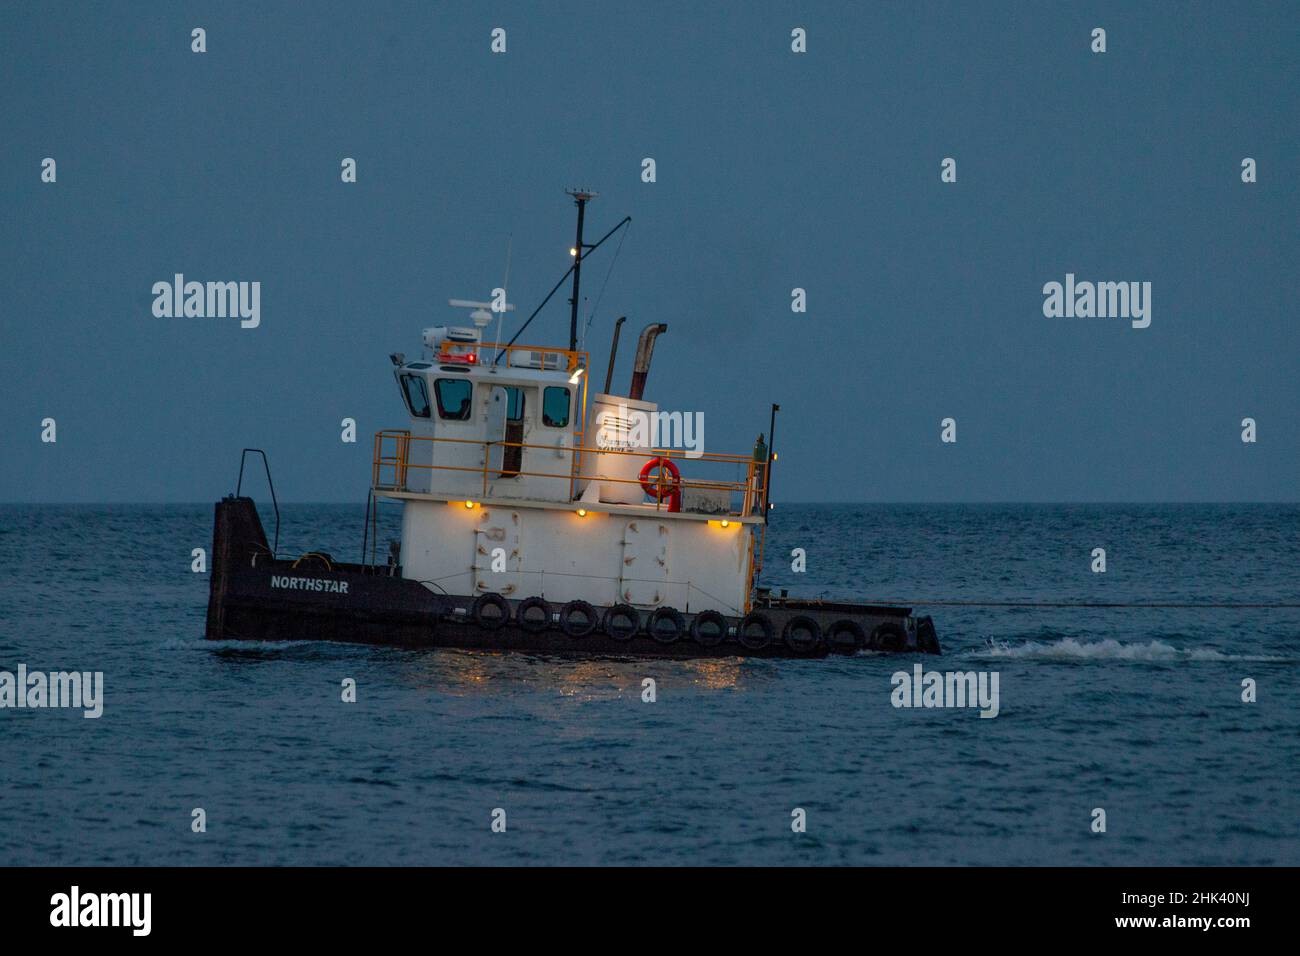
<point x="555" y="407"/>
<point x="453" y="396"/>
<point x="417" y="396"/>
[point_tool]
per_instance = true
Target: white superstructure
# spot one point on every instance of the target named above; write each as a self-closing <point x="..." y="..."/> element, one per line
<point x="506" y="489"/>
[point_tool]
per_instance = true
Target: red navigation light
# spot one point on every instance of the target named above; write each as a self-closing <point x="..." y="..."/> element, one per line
<point x="464" y="358"/>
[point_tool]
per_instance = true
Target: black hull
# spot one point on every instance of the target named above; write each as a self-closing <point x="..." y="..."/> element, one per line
<point x="255" y="596"/>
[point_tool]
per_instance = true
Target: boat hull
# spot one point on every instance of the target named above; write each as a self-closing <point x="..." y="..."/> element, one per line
<point x="255" y="596"/>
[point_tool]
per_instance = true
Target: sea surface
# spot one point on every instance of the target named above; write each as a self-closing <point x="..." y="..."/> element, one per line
<point x="1136" y="711"/>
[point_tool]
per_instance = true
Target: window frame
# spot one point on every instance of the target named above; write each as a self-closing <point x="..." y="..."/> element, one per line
<point x="568" y="406"/>
<point x="443" y="414"/>
<point x="406" y="377"/>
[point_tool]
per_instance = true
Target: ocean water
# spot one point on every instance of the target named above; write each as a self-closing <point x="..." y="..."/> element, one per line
<point x="1134" y="710"/>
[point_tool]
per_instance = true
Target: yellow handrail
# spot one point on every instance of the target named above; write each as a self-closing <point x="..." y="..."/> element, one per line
<point x="751" y="490"/>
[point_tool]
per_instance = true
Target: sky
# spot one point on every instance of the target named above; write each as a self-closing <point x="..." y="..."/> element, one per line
<point x="774" y="170"/>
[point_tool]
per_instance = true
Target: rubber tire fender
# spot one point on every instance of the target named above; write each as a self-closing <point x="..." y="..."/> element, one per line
<point x="888" y="637"/>
<point x="799" y="645"/>
<point x="763" y="623"/>
<point x="573" y="629"/>
<point x="532" y="625"/>
<point x="675" y="630"/>
<point x="856" y="637"/>
<point x="481" y="604"/>
<point x="708" y="617"/>
<point x="621" y="633"/>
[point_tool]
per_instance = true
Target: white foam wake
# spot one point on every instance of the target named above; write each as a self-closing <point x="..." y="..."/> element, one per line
<point x="1071" y="649"/>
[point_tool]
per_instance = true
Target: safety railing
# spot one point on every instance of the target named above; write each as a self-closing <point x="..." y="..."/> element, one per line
<point x="398" y="455"/>
<point x="399" y="440"/>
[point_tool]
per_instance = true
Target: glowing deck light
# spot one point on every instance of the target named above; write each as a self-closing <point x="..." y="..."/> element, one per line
<point x="572" y="251"/>
<point x="726" y="523"/>
<point x="582" y="512"/>
<point x="469" y="504"/>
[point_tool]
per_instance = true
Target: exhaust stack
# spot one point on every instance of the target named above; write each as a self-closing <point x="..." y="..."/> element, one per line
<point x="645" y="347"/>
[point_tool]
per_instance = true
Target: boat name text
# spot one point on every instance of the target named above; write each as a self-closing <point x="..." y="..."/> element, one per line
<point x="308" y="584"/>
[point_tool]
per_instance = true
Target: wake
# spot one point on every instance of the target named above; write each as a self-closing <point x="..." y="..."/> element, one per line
<point x="1109" y="649"/>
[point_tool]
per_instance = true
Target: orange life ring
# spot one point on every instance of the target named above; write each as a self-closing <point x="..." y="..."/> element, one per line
<point x="659" y="490"/>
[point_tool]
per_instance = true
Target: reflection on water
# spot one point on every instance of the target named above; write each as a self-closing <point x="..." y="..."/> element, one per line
<point x="460" y="672"/>
<point x="468" y="672"/>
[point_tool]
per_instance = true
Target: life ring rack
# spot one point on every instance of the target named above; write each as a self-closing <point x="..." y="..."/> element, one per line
<point x="660" y="489"/>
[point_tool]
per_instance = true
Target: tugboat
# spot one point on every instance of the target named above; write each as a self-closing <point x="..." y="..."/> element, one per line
<point x="538" y="518"/>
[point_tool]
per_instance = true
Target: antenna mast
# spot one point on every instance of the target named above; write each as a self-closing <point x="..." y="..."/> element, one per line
<point x="580" y="199"/>
<point x="590" y="247"/>
<point x="505" y="285"/>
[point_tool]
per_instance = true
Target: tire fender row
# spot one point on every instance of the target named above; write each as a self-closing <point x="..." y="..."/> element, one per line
<point x="801" y="634"/>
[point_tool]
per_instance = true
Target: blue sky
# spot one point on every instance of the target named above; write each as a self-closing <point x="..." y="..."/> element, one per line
<point x="774" y="171"/>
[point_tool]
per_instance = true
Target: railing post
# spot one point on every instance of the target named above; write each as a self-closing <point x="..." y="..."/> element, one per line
<point x="403" y="459"/>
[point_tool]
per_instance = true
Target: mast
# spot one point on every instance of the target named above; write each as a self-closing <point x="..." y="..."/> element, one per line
<point x="580" y="199"/>
<point x="585" y="247"/>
